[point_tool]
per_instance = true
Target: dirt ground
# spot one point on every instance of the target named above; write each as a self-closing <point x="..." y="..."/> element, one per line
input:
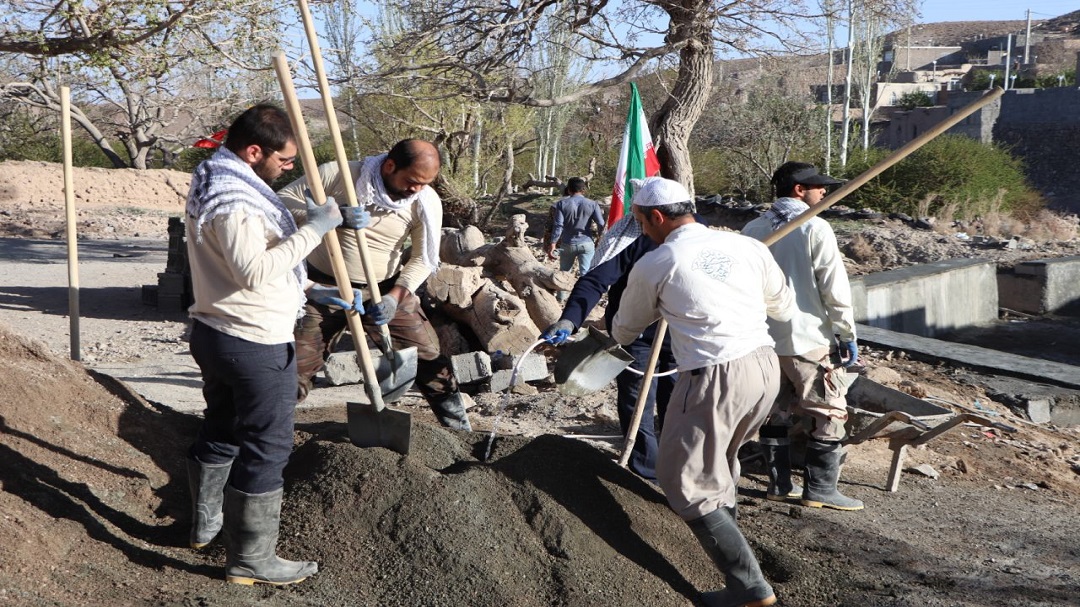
<point x="94" y="504"/>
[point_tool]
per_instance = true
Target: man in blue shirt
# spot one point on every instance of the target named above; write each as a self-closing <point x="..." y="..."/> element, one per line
<point x="571" y="227"/>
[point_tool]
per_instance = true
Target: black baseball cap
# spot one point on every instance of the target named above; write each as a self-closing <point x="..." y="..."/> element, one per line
<point x="811" y="176"/>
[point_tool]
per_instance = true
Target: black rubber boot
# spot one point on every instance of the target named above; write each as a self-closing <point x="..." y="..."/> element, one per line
<point x="251" y="533"/>
<point x="207" y="485"/>
<point x="776" y="449"/>
<point x="744" y="584"/>
<point x="451" y="413"/>
<point x="822" y="473"/>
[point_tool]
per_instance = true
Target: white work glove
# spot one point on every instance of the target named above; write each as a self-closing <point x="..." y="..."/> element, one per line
<point x="322" y="217"/>
<point x="331" y="297"/>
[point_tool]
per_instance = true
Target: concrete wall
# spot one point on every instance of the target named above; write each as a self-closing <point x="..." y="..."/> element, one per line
<point x="1042" y="286"/>
<point x="1042" y="126"/>
<point x="928" y="299"/>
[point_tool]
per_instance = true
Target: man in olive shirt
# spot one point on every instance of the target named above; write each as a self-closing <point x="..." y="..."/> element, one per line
<point x="395" y="189"/>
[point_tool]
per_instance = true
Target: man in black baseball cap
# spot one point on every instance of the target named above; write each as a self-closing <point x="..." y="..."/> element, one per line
<point x="803" y="174"/>
<point x="816" y="346"/>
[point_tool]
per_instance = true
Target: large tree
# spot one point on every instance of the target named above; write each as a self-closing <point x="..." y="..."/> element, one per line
<point x="156" y="91"/>
<point x="482" y="50"/>
<point x="61" y="27"/>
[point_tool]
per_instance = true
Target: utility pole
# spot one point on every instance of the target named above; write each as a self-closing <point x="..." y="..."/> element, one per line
<point x="1008" y="60"/>
<point x="1027" y="38"/>
<point x="845" y="129"/>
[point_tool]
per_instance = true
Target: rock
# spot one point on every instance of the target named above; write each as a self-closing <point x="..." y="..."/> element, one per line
<point x="471" y="367"/>
<point x="341" y="369"/>
<point x="884" y="375"/>
<point x="924" y="469"/>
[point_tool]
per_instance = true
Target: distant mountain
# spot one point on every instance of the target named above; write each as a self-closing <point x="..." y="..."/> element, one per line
<point x="1067" y="25"/>
<point x="952" y="33"/>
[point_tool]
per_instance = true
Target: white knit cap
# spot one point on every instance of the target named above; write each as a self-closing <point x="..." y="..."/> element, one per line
<point x="657" y="191"/>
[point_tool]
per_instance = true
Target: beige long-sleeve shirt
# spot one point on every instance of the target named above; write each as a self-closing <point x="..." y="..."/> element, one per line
<point x="388" y="235"/>
<point x="814" y="267"/>
<point x="242" y="276"/>
<point x="714" y="289"/>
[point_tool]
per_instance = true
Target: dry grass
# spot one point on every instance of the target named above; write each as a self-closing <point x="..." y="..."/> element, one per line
<point x="860" y="250"/>
<point x="987" y="218"/>
<point x="922" y="209"/>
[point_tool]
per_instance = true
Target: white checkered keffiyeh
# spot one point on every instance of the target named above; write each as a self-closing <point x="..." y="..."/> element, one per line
<point x="225" y="184"/>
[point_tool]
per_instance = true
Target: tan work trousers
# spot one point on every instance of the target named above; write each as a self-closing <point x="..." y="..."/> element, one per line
<point x="713" y="412"/>
<point x="802" y="392"/>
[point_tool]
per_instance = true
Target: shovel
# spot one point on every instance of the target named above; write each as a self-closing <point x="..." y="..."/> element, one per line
<point x="369" y="425"/>
<point x="395" y="369"/>
<point x="587" y="365"/>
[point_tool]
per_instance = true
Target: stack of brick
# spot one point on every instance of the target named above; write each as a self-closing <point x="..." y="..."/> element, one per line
<point x="173" y="290"/>
<point x="471" y="369"/>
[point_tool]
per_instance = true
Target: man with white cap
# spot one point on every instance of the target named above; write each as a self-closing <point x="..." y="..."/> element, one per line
<point x="814" y="379"/>
<point x="715" y="290"/>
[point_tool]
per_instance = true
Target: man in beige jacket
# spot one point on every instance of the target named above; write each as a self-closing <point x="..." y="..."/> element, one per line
<point x="248" y="278"/>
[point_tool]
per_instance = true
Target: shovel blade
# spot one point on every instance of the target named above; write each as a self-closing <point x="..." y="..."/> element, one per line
<point x="369" y="427"/>
<point x="589" y="364"/>
<point x="396" y="372"/>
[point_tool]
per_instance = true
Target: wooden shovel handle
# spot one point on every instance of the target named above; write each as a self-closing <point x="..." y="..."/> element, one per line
<point x="887" y="162"/>
<point x="643" y="393"/>
<point x="314" y="182"/>
<point x="339" y="151"/>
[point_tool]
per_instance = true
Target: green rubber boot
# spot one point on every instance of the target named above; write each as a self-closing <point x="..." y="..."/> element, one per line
<point x="251" y="533"/>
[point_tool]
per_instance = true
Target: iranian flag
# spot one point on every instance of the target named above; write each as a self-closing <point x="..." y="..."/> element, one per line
<point x="637" y="159"/>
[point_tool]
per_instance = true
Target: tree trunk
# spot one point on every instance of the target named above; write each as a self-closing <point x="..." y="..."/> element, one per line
<point x="675" y="121"/>
<point x="850" y="63"/>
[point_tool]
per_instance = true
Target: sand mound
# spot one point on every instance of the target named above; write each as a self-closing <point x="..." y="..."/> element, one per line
<point x="548" y="521"/>
<point x="95" y="512"/>
<point x="94" y="488"/>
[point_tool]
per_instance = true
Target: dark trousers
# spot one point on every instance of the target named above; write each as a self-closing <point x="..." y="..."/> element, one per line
<point x="320" y="326"/>
<point x="250" y="392"/>
<point x="643" y="457"/>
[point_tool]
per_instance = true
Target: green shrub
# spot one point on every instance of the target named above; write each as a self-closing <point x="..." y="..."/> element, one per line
<point x="47" y="148"/>
<point x="913" y="99"/>
<point x="950" y="172"/>
<point x="980" y="81"/>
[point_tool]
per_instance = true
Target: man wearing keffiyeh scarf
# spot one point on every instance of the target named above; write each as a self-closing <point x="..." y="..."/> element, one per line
<point x="405" y="212"/>
<point x="249" y="283"/>
<point x="815" y="372"/>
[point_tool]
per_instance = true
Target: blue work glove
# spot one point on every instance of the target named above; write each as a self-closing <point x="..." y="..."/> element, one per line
<point x="383" y="312"/>
<point x="324" y="217"/>
<point x="558" y="332"/>
<point x="330" y="296"/>
<point x="852" y="350"/>
<point x="355" y="218"/>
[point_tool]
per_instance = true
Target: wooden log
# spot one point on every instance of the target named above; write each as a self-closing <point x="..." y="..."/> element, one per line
<point x="455" y="285"/>
<point x="549" y="181"/>
<point x="533" y="283"/>
<point x="464" y="247"/>
<point x="499" y="319"/>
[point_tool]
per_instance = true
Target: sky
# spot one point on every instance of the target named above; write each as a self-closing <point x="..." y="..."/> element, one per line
<point x="934" y="11"/>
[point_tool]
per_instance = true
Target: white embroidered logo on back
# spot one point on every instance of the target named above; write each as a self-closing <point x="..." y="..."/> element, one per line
<point x="714" y="264"/>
